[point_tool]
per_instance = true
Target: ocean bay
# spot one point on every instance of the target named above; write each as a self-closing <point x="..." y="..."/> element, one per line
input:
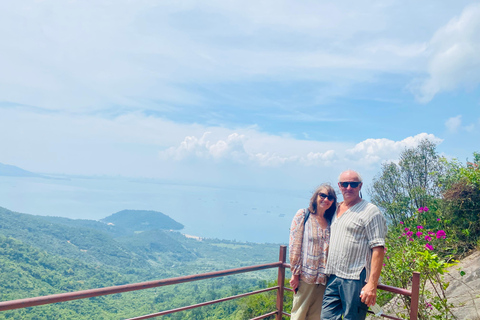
<point x="254" y="215"/>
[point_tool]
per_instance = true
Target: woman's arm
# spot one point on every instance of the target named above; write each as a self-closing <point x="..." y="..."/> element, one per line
<point x="295" y="244"/>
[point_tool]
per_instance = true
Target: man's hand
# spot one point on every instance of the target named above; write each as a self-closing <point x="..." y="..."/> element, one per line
<point x="369" y="291"/>
<point x="294" y="281"/>
<point x="369" y="294"/>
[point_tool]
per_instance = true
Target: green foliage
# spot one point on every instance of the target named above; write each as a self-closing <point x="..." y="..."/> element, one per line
<point x="142" y="220"/>
<point x="80" y="243"/>
<point x="263" y="303"/>
<point x="411" y="247"/>
<point x="412" y="183"/>
<point x="45" y="255"/>
<point x="28" y="272"/>
<point x="460" y="207"/>
<point x="437" y="195"/>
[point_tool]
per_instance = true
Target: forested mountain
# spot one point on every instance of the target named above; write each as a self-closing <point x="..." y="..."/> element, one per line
<point x="86" y="244"/>
<point x="46" y="255"/>
<point x="28" y="272"/>
<point x="13" y="171"/>
<point x="142" y="220"/>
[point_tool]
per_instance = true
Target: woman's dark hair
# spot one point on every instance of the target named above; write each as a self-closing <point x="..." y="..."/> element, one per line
<point x="313" y="201"/>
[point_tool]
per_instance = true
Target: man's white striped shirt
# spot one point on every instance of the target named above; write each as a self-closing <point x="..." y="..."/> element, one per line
<point x="352" y="237"/>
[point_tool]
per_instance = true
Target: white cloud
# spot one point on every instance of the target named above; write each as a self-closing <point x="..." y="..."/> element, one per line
<point x="236" y="148"/>
<point x="454" y="123"/>
<point x="94" y="55"/>
<point x="377" y="150"/>
<point x="129" y="145"/>
<point x="470" y="128"/>
<point x="230" y="148"/>
<point x="454" y="59"/>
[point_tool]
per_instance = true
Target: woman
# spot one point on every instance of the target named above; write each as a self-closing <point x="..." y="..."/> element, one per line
<point x="308" y="248"/>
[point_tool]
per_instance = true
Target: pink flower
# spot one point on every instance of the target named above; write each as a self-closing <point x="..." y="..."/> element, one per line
<point x="419" y="227"/>
<point x="410" y="239"/>
<point x="406" y="229"/>
<point x="438" y="219"/>
<point x="410" y="233"/>
<point x="441" y="234"/>
<point x="428" y="238"/>
<point x="401" y="222"/>
<point x="430" y="232"/>
<point x="425" y="209"/>
<point x="428" y="246"/>
<point x="388" y="257"/>
<point x="419" y="233"/>
<point x="384" y="264"/>
<point x="420" y="209"/>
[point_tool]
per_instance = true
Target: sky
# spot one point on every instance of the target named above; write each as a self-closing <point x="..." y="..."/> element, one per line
<point x="244" y="94"/>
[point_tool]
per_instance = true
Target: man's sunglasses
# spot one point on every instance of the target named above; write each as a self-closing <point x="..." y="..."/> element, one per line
<point x="323" y="196"/>
<point x="352" y="184"/>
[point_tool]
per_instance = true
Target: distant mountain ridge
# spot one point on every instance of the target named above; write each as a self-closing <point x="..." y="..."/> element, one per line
<point x="142" y="220"/>
<point x="13" y="171"/>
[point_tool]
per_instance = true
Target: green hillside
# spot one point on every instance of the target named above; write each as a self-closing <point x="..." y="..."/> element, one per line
<point x="28" y="272"/>
<point x="85" y="244"/>
<point x="47" y="255"/>
<point x="142" y="220"/>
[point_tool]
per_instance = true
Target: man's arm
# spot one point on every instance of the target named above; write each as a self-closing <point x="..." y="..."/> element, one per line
<point x="369" y="291"/>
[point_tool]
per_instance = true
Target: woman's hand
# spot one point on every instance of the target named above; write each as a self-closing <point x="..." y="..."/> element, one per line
<point x="294" y="281"/>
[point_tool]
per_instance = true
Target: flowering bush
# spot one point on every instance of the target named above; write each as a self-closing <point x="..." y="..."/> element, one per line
<point x="423" y="251"/>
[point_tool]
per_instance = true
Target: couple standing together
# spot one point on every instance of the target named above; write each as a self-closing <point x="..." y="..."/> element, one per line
<point x="352" y="235"/>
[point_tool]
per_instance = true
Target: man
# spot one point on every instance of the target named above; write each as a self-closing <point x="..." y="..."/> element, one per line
<point x="355" y="255"/>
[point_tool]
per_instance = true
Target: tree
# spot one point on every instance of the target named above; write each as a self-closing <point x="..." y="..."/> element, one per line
<point x="461" y="205"/>
<point x="262" y="303"/>
<point x="414" y="182"/>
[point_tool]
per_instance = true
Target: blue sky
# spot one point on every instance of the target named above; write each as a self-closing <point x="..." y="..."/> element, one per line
<point x="240" y="93"/>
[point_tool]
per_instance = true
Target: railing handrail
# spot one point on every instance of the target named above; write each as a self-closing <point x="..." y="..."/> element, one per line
<point x="281" y="265"/>
<point x="193" y="306"/>
<point x="90" y="293"/>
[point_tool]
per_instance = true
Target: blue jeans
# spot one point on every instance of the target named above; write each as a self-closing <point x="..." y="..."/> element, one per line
<point x="342" y="297"/>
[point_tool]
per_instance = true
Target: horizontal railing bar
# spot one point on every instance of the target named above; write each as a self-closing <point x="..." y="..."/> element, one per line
<point x="68" y="296"/>
<point x="380" y="286"/>
<point x="265" y="315"/>
<point x="287" y="314"/>
<point x="386" y="316"/>
<point x="162" y="313"/>
<point x="405" y="292"/>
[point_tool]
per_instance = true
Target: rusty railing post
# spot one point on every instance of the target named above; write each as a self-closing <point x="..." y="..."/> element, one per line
<point x="281" y="282"/>
<point x="415" y="296"/>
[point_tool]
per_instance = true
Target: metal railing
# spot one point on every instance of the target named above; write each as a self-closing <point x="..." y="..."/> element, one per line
<point x="278" y="313"/>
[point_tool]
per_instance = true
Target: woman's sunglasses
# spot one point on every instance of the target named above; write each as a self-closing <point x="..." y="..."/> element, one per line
<point x="352" y="184"/>
<point x="323" y="196"/>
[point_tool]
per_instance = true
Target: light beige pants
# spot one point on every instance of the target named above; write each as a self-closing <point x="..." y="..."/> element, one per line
<point x="307" y="302"/>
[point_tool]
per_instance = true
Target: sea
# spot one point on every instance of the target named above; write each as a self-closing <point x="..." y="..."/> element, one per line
<point x="260" y="215"/>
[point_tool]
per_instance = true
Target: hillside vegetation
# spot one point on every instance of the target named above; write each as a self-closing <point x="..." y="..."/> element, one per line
<point x="142" y="220"/>
<point x="47" y="255"/>
<point x="433" y="211"/>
